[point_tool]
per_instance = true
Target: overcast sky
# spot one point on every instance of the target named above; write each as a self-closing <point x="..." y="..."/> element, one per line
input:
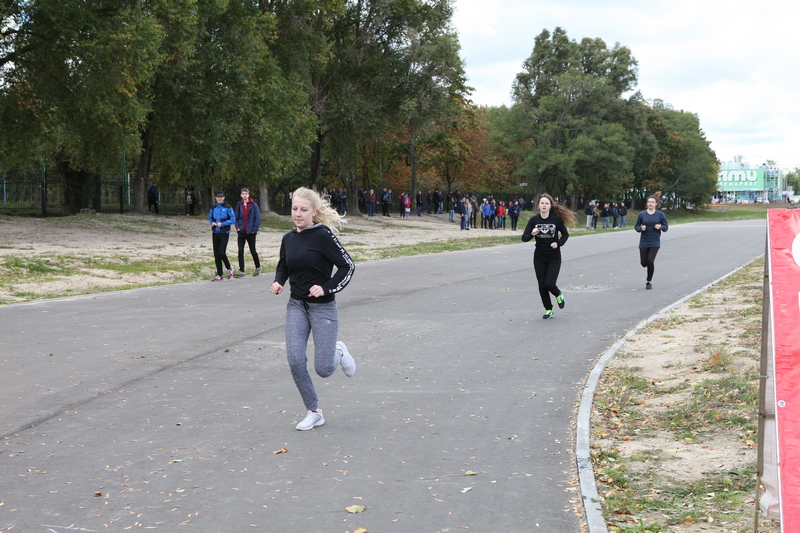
<point x="735" y="64"/>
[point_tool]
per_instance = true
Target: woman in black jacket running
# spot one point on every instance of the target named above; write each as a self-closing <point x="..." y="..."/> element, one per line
<point x="549" y="228"/>
<point x="307" y="257"/>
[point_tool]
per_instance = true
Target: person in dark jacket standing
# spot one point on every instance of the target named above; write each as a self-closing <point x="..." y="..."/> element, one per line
<point x="549" y="228"/>
<point x="623" y="215"/>
<point x="307" y="257"/>
<point x="248" y="220"/>
<point x="513" y="214"/>
<point x="221" y="217"/>
<point x="152" y="197"/>
<point x="649" y="224"/>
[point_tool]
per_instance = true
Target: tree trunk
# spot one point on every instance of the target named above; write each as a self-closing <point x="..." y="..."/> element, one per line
<point x="143" y="172"/>
<point x="263" y="198"/>
<point x="97" y="197"/>
<point x="316" y="161"/>
<point x="351" y="185"/>
<point x="412" y="159"/>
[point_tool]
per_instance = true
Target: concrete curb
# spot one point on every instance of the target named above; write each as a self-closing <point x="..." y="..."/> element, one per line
<point x="589" y="495"/>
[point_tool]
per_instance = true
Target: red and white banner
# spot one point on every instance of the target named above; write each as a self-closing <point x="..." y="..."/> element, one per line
<point x="783" y="232"/>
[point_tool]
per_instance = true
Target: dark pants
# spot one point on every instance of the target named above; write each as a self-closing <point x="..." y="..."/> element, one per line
<point x="647" y="258"/>
<point x="152" y="204"/>
<point x="250" y="239"/>
<point x="220" y="243"/>
<point x="514" y="222"/>
<point x="547" y="275"/>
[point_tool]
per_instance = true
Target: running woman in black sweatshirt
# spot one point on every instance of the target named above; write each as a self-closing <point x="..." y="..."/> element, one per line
<point x="307" y="257"/>
<point x="549" y="228"/>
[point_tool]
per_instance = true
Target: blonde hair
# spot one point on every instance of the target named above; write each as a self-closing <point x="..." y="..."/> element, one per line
<point x="326" y="215"/>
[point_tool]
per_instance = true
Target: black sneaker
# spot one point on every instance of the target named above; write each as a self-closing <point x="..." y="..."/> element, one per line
<point x="548" y="314"/>
<point x="648" y="286"/>
<point x="560" y="300"/>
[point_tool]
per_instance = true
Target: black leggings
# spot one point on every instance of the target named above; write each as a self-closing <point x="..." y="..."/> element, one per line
<point x="220" y="242"/>
<point x="250" y="239"/>
<point x="647" y="257"/>
<point x="547" y="275"/>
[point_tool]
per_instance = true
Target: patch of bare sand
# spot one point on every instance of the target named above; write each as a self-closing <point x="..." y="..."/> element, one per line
<point x="71" y="241"/>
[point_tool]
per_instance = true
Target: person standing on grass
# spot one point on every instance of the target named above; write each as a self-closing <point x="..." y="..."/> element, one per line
<point x="501" y="216"/>
<point x="221" y="217"/>
<point x="549" y="228"/>
<point x="307" y="257"/>
<point x="248" y="220"/>
<point x="589" y="212"/>
<point x="372" y="199"/>
<point x="649" y="224"/>
<point x="513" y="214"/>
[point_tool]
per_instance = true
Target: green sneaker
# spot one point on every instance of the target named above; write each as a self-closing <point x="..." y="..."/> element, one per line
<point x="560" y="300"/>
<point x="548" y="314"/>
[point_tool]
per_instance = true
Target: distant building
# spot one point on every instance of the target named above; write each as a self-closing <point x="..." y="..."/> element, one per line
<point x="739" y="182"/>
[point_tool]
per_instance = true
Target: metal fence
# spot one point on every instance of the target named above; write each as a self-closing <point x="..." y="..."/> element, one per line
<point x="27" y="195"/>
<point x="30" y="195"/>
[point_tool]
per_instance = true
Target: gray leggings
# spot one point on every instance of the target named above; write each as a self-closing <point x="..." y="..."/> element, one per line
<point x="322" y="320"/>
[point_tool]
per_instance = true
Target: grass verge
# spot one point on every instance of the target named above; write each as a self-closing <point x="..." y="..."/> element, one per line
<point x="674" y="440"/>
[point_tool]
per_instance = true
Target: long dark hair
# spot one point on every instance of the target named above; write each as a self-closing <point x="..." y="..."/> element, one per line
<point x="563" y="212"/>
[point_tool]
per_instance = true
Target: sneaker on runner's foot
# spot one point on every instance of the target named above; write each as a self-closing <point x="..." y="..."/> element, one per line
<point x="348" y="364"/>
<point x="312" y="420"/>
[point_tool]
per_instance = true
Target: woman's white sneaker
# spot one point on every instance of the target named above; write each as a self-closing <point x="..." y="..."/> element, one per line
<point x="312" y="420"/>
<point x="348" y="364"/>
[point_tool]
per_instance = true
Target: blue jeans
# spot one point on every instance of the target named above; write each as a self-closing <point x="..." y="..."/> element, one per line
<point x="322" y="320"/>
<point x="371" y="210"/>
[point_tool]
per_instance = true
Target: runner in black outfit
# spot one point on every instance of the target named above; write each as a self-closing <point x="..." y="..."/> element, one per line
<point x="307" y="257"/>
<point x="550" y="232"/>
<point x="650" y="223"/>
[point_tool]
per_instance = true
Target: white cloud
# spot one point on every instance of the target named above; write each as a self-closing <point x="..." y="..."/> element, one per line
<point x="732" y="63"/>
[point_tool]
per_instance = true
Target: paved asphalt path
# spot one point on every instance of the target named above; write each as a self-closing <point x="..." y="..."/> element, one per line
<point x="165" y="408"/>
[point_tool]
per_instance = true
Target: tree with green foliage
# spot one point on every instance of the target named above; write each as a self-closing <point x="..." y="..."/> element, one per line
<point x="793" y="180"/>
<point x="222" y="105"/>
<point x="73" y="75"/>
<point x="370" y="68"/>
<point x="570" y="116"/>
<point x="685" y="168"/>
<point x="434" y="97"/>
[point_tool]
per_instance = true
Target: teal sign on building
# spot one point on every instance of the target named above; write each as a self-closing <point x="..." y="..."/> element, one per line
<point x="741" y="180"/>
